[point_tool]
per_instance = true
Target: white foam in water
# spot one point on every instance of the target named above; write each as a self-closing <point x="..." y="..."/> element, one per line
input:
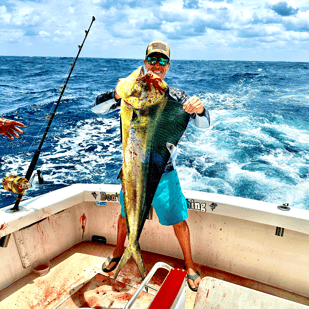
<point x="190" y="179"/>
<point x="257" y="146"/>
<point x="224" y="144"/>
<point x="73" y="150"/>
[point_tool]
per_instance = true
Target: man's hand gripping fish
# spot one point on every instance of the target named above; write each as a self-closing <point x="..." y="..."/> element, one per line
<point x="147" y="118"/>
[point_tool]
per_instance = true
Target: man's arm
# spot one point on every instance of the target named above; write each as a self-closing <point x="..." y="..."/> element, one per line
<point x="200" y="114"/>
<point x="106" y="102"/>
<point x="193" y="106"/>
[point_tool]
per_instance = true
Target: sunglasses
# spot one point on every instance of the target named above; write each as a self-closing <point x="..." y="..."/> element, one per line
<point x="153" y="60"/>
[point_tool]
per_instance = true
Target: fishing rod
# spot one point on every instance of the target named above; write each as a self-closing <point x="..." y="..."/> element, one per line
<point x="19" y="184"/>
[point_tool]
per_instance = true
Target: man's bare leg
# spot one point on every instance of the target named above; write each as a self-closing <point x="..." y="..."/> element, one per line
<point x="121" y="238"/>
<point x="182" y="233"/>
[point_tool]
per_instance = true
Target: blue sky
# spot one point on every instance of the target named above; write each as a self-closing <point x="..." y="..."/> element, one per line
<point x="195" y="29"/>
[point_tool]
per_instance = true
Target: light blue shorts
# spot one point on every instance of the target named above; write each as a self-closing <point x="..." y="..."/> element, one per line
<point x="169" y="202"/>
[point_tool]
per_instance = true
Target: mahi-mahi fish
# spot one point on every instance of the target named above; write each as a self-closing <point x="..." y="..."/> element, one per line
<point x="151" y="123"/>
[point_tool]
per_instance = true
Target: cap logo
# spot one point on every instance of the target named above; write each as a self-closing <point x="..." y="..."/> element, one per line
<point x="159" y="47"/>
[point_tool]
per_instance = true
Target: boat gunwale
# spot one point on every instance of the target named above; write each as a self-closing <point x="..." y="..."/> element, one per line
<point x="43" y="206"/>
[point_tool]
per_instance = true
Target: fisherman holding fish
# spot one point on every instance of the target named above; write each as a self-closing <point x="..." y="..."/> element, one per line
<point x="132" y="95"/>
<point x="9" y="128"/>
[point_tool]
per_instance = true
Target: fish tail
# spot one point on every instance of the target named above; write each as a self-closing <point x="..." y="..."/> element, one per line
<point x="138" y="258"/>
<point x="124" y="259"/>
<point x="135" y="252"/>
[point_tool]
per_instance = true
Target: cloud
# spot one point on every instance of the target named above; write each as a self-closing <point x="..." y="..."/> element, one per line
<point x="266" y="17"/>
<point x="7" y="35"/>
<point x="4" y="15"/>
<point x="191" y="4"/>
<point x="44" y="34"/>
<point x="122" y="27"/>
<point x="124" y="4"/>
<point x="283" y="9"/>
<point x="299" y="24"/>
<point x="269" y="32"/>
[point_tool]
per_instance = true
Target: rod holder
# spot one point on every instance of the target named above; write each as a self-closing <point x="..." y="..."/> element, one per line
<point x="284" y="207"/>
<point x="4" y="241"/>
<point x="279" y="231"/>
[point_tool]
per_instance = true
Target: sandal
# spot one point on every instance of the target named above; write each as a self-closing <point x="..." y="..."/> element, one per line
<point x="111" y="260"/>
<point x="193" y="278"/>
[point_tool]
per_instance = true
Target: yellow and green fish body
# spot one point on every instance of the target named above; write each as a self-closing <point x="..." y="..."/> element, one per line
<point x="149" y="120"/>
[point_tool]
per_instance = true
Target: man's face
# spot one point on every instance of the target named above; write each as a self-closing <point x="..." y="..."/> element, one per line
<point x="157" y="68"/>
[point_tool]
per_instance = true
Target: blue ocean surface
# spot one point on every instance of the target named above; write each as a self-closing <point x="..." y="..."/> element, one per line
<point x="257" y="146"/>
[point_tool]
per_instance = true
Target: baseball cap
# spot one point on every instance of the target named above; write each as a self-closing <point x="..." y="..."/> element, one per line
<point x="158" y="47"/>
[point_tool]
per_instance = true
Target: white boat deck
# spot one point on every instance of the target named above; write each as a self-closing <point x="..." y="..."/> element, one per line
<point x="69" y="284"/>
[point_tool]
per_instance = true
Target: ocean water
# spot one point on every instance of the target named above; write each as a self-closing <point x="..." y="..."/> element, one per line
<point x="257" y="146"/>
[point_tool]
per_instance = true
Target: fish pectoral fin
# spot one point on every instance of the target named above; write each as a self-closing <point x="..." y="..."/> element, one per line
<point x="134" y="115"/>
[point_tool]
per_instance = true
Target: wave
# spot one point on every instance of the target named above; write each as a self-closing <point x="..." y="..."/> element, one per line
<point x="257" y="146"/>
<point x="239" y="76"/>
<point x="9" y="86"/>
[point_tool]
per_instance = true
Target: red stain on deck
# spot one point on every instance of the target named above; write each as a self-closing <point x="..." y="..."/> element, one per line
<point x="83" y="220"/>
<point x="123" y="297"/>
<point x="126" y="280"/>
<point x="2" y="226"/>
<point x="49" y="294"/>
<point x="39" y="229"/>
<point x="93" y="302"/>
<point x="118" y="286"/>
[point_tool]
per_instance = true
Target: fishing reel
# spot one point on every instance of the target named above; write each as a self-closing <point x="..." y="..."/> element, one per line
<point x="18" y="184"/>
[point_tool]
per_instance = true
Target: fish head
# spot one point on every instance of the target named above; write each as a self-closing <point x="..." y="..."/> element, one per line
<point x="139" y="90"/>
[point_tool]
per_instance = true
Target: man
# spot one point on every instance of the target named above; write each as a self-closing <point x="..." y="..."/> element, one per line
<point x="8" y="128"/>
<point x="171" y="210"/>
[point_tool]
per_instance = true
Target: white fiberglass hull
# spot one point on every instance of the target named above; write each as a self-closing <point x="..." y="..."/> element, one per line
<point x="233" y="235"/>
